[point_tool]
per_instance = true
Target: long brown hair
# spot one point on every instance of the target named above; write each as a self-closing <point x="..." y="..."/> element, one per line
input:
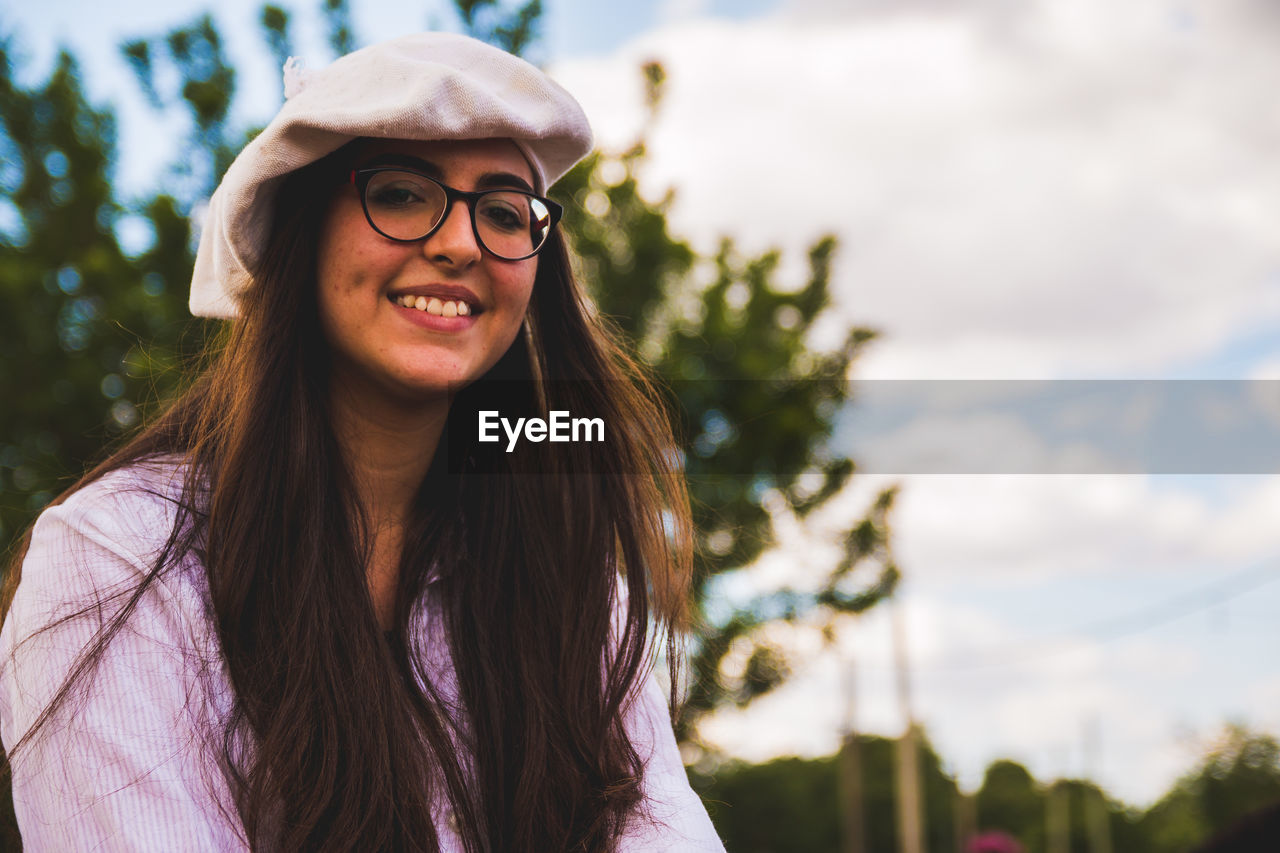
<point x="339" y="739"/>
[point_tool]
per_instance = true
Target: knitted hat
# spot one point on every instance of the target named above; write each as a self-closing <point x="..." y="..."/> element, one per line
<point x="426" y="87"/>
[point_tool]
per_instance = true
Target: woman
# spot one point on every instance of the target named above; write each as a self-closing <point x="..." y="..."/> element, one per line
<point x="308" y="608"/>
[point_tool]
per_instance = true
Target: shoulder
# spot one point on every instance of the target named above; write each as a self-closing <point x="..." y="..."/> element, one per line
<point x="109" y="676"/>
<point x="135" y="504"/>
<point x="102" y="541"/>
<point x="128" y="513"/>
<point x="671" y="816"/>
<point x="98" y="559"/>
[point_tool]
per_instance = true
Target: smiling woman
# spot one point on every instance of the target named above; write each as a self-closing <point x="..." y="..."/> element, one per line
<point x="365" y="273"/>
<point x="309" y="607"/>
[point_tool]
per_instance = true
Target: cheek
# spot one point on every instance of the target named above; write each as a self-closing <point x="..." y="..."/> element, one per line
<point x="347" y="269"/>
<point x="330" y="274"/>
<point x="333" y="296"/>
<point x="516" y="291"/>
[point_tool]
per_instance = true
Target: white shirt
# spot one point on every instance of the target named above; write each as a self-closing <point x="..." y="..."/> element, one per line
<point x="127" y="768"/>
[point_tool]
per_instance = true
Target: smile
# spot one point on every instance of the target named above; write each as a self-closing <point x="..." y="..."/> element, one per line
<point x="435" y="305"/>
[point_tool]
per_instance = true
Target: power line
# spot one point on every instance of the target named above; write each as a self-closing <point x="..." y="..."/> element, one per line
<point x="1117" y="627"/>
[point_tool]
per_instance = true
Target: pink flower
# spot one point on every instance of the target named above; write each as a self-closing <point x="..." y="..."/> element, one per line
<point x="994" y="842"/>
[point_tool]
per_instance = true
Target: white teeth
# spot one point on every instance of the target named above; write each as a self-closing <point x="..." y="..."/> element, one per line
<point x="435" y="305"/>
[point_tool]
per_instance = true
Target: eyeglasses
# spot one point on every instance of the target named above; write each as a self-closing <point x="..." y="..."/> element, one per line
<point x="406" y="207"/>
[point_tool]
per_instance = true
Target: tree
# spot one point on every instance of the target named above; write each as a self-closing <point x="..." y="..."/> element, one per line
<point x="1239" y="774"/>
<point x="65" y="385"/>
<point x="790" y="805"/>
<point x="71" y="381"/>
<point x="1009" y="799"/>
<point x="756" y="403"/>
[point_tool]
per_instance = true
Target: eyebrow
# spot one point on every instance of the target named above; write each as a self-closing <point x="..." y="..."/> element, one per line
<point x="489" y="180"/>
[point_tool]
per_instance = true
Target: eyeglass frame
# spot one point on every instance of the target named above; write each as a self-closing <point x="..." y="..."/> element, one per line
<point x="360" y="178"/>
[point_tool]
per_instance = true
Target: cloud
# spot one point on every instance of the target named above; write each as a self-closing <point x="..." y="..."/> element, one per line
<point x="1062" y="427"/>
<point x="1029" y="532"/>
<point x="1049" y="188"/>
<point x="1263" y="700"/>
<point x="1065" y="622"/>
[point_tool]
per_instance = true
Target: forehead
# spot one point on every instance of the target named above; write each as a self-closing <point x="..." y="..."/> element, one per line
<point x="456" y="158"/>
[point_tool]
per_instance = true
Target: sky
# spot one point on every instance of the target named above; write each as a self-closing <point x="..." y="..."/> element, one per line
<point x="1036" y="190"/>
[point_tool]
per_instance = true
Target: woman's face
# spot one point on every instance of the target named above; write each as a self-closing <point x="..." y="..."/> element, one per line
<point x="364" y="278"/>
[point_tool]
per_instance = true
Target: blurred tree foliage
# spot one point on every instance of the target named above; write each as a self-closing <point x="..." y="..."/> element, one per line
<point x="1010" y="800"/>
<point x="792" y="804"/>
<point x="1239" y="775"/>
<point x="94" y="290"/>
<point x="86" y="326"/>
<point x="756" y="402"/>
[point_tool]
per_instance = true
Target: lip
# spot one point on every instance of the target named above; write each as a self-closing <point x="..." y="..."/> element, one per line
<point x="444" y="292"/>
<point x="436" y="323"/>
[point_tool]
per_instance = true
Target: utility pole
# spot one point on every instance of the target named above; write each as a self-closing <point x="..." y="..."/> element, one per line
<point x="852" y="824"/>
<point x="1099" y="822"/>
<point x="965" y="818"/>
<point x="1058" y="818"/>
<point x="910" y="799"/>
<point x="964" y="821"/>
<point x="1095" y="804"/>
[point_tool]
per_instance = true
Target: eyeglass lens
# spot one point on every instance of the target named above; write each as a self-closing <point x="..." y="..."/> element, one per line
<point x="407" y="206"/>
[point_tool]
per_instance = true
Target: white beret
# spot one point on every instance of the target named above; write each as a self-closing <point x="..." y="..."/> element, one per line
<point x="423" y="87"/>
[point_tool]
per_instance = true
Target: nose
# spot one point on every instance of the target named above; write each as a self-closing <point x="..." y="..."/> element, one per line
<point x="454" y="242"/>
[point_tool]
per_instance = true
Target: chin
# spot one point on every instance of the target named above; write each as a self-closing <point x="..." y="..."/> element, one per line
<point x="430" y="374"/>
<point x="435" y="386"/>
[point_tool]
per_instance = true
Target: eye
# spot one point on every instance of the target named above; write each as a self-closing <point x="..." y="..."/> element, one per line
<point x="506" y="211"/>
<point x="400" y="190"/>
<point x="395" y="196"/>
